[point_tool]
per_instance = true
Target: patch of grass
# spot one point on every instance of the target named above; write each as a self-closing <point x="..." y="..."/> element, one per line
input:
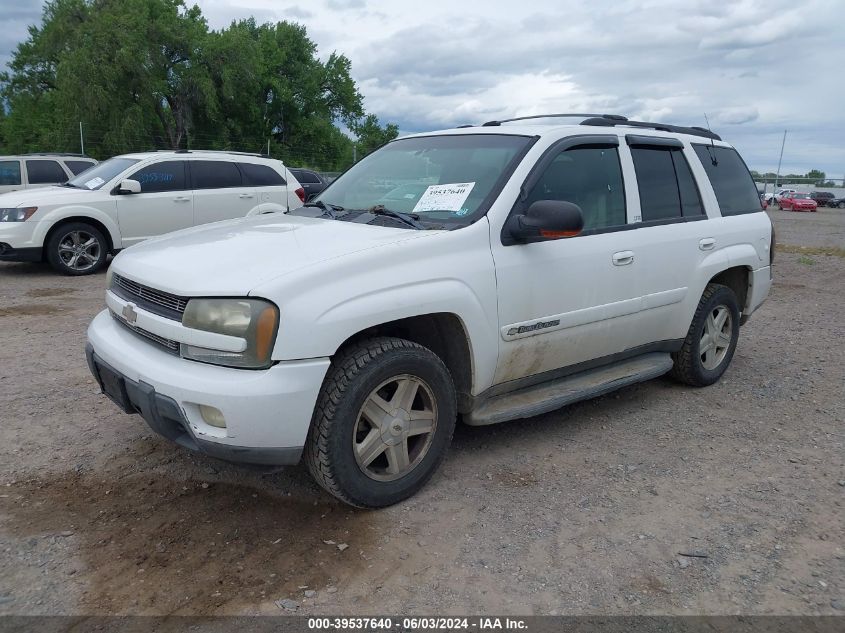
<point x="809" y="261"/>
<point x="810" y="250"/>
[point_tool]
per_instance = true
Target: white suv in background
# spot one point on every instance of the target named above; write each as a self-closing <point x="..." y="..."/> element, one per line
<point x="28" y="171"/>
<point x="493" y="273"/>
<point x="129" y="198"/>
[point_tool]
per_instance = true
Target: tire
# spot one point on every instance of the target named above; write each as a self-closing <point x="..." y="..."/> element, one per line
<point x="77" y="248"/>
<point x="702" y="368"/>
<point x="348" y="455"/>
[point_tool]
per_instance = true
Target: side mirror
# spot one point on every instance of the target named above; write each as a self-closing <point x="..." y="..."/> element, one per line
<point x="547" y="220"/>
<point x="129" y="186"/>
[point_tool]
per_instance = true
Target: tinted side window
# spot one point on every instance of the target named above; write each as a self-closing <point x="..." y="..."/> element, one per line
<point x="590" y="177"/>
<point x="167" y="176"/>
<point x="260" y="175"/>
<point x="735" y="189"/>
<point x="690" y="198"/>
<point x="306" y="177"/>
<point x="44" y="172"/>
<point x="78" y="166"/>
<point x="214" y="174"/>
<point x="10" y="172"/>
<point x="659" y="196"/>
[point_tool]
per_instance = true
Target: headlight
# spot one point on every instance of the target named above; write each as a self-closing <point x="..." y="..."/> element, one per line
<point x="17" y="215"/>
<point x="255" y="320"/>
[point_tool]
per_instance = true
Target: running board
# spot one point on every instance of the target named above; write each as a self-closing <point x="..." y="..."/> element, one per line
<point x="548" y="396"/>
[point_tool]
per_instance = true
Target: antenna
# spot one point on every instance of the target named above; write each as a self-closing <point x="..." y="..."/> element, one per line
<point x="712" y="143"/>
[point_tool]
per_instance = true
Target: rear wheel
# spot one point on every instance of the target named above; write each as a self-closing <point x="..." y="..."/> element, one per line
<point x="77" y="248"/>
<point x="383" y="422"/>
<point x="711" y="340"/>
<point x="841" y="205"/>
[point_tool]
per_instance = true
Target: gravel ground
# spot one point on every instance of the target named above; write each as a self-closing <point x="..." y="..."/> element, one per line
<point x="589" y="509"/>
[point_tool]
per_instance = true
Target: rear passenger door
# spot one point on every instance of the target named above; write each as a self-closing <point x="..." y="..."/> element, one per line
<point x="165" y="203"/>
<point x="44" y="172"/>
<point x="668" y="238"/>
<point x="219" y="191"/>
<point x="10" y="176"/>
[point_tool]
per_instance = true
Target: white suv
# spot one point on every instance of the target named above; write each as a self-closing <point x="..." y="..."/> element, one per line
<point x="493" y="273"/>
<point x="130" y="198"/>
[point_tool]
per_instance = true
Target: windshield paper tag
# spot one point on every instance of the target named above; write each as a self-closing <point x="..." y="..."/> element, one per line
<point x="94" y="182"/>
<point x="449" y="197"/>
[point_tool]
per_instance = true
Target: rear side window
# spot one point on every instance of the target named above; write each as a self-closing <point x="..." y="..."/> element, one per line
<point x="667" y="188"/>
<point x="44" y="172"/>
<point x="10" y="172"/>
<point x="78" y="166"/>
<point x="306" y="177"/>
<point x="260" y="175"/>
<point x="167" y="176"/>
<point x="735" y="189"/>
<point x="590" y="177"/>
<point x="215" y="174"/>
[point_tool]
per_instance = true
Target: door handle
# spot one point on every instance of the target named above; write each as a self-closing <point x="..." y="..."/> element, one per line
<point x="707" y="244"/>
<point x="245" y="195"/>
<point x="623" y="258"/>
<point x="181" y="199"/>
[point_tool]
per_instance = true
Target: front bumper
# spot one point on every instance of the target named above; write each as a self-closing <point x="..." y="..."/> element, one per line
<point x="10" y="254"/>
<point x="267" y="412"/>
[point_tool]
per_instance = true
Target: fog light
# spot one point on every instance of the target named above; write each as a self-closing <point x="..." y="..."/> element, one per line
<point x="213" y="416"/>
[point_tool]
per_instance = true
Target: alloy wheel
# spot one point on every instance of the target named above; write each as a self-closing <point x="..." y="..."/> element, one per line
<point x="716" y="338"/>
<point x="79" y="250"/>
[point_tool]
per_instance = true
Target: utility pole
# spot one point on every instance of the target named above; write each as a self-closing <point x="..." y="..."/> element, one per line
<point x="354" y="154"/>
<point x="777" y="177"/>
<point x="268" y="148"/>
<point x="81" y="140"/>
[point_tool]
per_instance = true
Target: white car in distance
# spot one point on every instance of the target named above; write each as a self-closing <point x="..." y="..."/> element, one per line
<point x="129" y="198"/>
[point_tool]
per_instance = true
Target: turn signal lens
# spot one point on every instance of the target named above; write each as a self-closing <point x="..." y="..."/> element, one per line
<point x="213" y="416"/>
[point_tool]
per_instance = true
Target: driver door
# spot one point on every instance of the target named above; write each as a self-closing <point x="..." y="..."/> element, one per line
<point x="165" y="203"/>
<point x="566" y="301"/>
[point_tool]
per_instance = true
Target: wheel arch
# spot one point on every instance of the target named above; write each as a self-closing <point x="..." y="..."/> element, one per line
<point x="444" y="334"/>
<point x="738" y="279"/>
<point x="100" y="226"/>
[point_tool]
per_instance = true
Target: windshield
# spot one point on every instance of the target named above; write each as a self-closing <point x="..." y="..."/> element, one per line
<point x="99" y="175"/>
<point x="801" y="196"/>
<point x="438" y="179"/>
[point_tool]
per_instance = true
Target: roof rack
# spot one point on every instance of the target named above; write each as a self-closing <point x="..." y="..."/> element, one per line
<point x="610" y="117"/>
<point x="611" y="120"/>
<point x="209" y="151"/>
<point x="54" y="154"/>
<point x="604" y="121"/>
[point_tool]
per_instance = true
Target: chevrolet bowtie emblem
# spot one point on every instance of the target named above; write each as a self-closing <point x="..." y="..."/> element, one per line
<point x="129" y="313"/>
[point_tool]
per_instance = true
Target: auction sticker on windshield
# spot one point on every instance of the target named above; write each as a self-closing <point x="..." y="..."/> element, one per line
<point x="449" y="197"/>
<point x="94" y="182"/>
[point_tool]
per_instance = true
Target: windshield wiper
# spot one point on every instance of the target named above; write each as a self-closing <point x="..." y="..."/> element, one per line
<point x="67" y="184"/>
<point x="328" y="209"/>
<point x="411" y="219"/>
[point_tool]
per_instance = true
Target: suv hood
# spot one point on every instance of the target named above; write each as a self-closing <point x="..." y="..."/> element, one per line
<point x="232" y="257"/>
<point x="43" y="196"/>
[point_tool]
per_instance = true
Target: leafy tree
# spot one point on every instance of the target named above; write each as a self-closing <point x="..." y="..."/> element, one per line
<point x="371" y="135"/>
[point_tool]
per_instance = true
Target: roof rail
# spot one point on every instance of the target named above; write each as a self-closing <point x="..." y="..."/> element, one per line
<point x="54" y="154"/>
<point x="694" y="130"/>
<point x="209" y="151"/>
<point x="610" y="117"/>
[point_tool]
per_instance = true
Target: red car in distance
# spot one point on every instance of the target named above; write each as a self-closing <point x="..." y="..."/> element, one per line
<point x="797" y="201"/>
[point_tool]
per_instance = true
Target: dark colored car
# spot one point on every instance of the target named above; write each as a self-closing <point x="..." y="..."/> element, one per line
<point x="311" y="181"/>
<point x="836" y="202"/>
<point x="822" y="198"/>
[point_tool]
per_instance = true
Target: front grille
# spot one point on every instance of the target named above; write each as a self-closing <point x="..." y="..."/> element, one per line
<point x="155" y="301"/>
<point x="165" y="343"/>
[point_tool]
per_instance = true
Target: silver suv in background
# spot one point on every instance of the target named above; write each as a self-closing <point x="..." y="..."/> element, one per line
<point x="27" y="171"/>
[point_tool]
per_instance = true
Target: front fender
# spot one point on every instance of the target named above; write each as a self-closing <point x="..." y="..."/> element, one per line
<point x="78" y="211"/>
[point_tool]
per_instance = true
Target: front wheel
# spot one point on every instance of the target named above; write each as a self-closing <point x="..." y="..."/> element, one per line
<point x="711" y="340"/>
<point x="77" y="248"/>
<point x="383" y="422"/>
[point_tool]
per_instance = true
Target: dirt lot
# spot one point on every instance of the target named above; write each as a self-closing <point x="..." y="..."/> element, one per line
<point x="584" y="510"/>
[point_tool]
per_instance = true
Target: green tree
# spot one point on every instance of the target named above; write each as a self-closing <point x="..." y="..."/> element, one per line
<point x="371" y="135"/>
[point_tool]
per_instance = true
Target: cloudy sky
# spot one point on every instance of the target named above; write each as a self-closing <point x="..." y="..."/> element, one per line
<point x="756" y="67"/>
